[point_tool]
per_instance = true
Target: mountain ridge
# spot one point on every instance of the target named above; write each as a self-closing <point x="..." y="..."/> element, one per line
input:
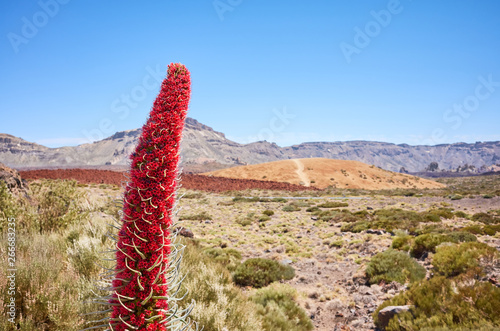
<point x="204" y="147"/>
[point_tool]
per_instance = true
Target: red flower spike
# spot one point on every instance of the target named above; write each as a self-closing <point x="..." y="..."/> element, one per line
<point x="139" y="289"/>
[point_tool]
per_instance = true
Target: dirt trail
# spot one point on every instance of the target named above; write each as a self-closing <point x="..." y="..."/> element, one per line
<point x="300" y="172"/>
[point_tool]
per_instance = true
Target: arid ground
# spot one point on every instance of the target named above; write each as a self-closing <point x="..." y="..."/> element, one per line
<point x="305" y="232"/>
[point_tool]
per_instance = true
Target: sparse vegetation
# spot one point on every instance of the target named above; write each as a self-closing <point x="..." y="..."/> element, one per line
<point x="333" y="204"/>
<point x="270" y="232"/>
<point x="485" y="218"/>
<point x="203" y="216"/>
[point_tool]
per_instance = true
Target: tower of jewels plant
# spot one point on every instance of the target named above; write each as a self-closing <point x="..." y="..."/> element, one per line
<point x="144" y="282"/>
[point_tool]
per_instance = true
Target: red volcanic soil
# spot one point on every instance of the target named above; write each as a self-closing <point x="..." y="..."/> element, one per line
<point x="189" y="181"/>
<point x="84" y="176"/>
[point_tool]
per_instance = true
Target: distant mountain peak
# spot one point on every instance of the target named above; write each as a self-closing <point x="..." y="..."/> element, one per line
<point x="202" y="145"/>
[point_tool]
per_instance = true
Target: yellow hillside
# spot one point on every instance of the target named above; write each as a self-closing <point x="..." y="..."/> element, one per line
<point x="322" y="173"/>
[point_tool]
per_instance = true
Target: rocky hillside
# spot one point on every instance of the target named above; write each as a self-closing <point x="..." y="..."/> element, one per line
<point x="205" y="147"/>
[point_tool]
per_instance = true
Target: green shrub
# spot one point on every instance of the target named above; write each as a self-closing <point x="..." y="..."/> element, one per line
<point x="193" y="195"/>
<point x="259" y="272"/>
<point x="228" y="257"/>
<point x="312" y="209"/>
<point x="442" y="212"/>
<point x="73" y="236"/>
<point x="333" y="204"/>
<point x="48" y="293"/>
<point x="462" y="236"/>
<point x="299" y="203"/>
<point x="356" y="227"/>
<point x="290" y="208"/>
<point x="257" y="199"/>
<point x="402" y="241"/>
<point x="278" y="200"/>
<point x="485" y="218"/>
<point x="203" y="216"/>
<point x="461" y="214"/>
<point x="430" y="217"/>
<point x="491" y="230"/>
<point x="361" y="213"/>
<point x="474" y="229"/>
<point x="386" y="219"/>
<point x="431" y="228"/>
<point x="8" y="206"/>
<point x="244" y="221"/>
<point x="395" y="218"/>
<point x="279" y="310"/>
<point x="268" y="212"/>
<point x="392" y="265"/>
<point x="264" y="218"/>
<point x="84" y="256"/>
<point x="243" y="199"/>
<point x="453" y="260"/>
<point x="488" y="196"/>
<point x="440" y="303"/>
<point x="219" y="303"/>
<point x="336" y="244"/>
<point x="59" y="204"/>
<point x="456" y="197"/>
<point x="427" y="243"/>
<point x="344" y="216"/>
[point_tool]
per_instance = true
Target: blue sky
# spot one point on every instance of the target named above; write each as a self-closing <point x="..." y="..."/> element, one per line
<point x="416" y="72"/>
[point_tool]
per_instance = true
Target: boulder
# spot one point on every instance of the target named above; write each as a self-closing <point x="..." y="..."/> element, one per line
<point x="385" y="315"/>
<point x="13" y="180"/>
<point x="185" y="232"/>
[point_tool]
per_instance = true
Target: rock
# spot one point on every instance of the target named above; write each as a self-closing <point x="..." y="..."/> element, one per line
<point x="365" y="290"/>
<point x="392" y="286"/>
<point x="385" y="315"/>
<point x="377" y="289"/>
<point x="13" y="180"/>
<point x="377" y="232"/>
<point x="359" y="277"/>
<point x="286" y="261"/>
<point x="280" y="249"/>
<point x="338" y="308"/>
<point x="185" y="232"/>
<point x="357" y="323"/>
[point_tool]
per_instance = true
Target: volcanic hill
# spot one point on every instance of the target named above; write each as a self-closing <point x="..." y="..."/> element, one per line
<point x="321" y="173"/>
